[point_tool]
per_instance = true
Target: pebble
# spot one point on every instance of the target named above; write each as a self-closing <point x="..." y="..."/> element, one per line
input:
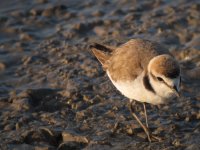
<point x="9" y="127"/>
<point x="69" y="137"/>
<point x="18" y="126"/>
<point x="35" y="12"/>
<point x="142" y="135"/>
<point x="22" y="104"/>
<point x="98" y="13"/>
<point x="129" y="131"/>
<point x="10" y="30"/>
<point x="48" y="12"/>
<point x="2" y="66"/>
<point x="100" y="31"/>
<point x="25" y="37"/>
<point x="176" y="143"/>
<point x="17" y="13"/>
<point x="44" y="147"/>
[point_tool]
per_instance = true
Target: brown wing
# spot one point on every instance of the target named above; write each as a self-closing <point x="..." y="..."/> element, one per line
<point x="130" y="59"/>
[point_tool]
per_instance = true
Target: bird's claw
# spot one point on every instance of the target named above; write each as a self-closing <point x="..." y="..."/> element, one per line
<point x="154" y="138"/>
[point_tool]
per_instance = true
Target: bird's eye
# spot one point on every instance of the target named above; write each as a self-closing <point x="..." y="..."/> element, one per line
<point x="159" y="79"/>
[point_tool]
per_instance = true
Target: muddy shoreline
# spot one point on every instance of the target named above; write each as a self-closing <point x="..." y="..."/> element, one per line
<point x="54" y="93"/>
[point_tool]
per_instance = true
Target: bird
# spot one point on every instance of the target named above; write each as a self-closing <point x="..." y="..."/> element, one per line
<point x="143" y="71"/>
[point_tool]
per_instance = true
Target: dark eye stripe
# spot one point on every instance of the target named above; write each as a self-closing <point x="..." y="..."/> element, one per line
<point x="155" y="78"/>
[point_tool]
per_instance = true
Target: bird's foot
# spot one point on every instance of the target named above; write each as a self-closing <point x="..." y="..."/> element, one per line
<point x="152" y="137"/>
<point x="155" y="138"/>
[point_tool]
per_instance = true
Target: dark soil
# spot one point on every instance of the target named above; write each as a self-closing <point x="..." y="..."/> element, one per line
<point x="54" y="93"/>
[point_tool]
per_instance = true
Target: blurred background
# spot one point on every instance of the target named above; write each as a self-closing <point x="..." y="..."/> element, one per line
<point x="52" y="89"/>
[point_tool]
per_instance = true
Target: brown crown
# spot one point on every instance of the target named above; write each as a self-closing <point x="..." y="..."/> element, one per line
<point x="166" y="65"/>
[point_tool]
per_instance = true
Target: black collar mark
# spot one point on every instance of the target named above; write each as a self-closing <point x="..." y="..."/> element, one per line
<point x="147" y="84"/>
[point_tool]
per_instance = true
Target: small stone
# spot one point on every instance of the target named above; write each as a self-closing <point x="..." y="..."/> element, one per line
<point x="69" y="137"/>
<point x="176" y="142"/>
<point x="2" y="66"/>
<point x="26" y="37"/>
<point x="16" y="13"/>
<point x="17" y="126"/>
<point x="19" y="46"/>
<point x="9" y="127"/>
<point x="74" y="106"/>
<point x="22" y="103"/>
<point x="129" y="131"/>
<point x="107" y="22"/>
<point x="10" y="30"/>
<point x="80" y="115"/>
<point x="142" y="135"/>
<point x="110" y="114"/>
<point x="35" y="12"/>
<point x="48" y="12"/>
<point x="68" y="34"/>
<point x="98" y="13"/>
<point x="44" y="147"/>
<point x="72" y="86"/>
<point x="100" y="31"/>
<point x="79" y="26"/>
<point x="158" y="130"/>
<point x="187" y="119"/>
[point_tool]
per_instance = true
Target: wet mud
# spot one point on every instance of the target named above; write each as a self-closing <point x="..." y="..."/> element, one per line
<point x="54" y="93"/>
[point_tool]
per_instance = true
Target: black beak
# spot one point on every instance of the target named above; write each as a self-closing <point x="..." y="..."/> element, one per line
<point x="175" y="90"/>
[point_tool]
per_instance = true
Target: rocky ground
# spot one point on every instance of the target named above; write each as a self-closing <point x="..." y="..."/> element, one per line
<point x="55" y="95"/>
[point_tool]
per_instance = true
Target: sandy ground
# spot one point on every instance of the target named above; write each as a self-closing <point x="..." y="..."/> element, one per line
<point x="55" y="95"/>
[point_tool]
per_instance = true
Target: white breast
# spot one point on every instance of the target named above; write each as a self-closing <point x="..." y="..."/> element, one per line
<point x="135" y="90"/>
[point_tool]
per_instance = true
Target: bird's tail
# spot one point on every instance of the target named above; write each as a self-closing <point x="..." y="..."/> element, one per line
<point x="102" y="53"/>
<point x="101" y="47"/>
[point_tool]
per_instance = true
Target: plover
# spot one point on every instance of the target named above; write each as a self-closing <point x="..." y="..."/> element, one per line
<point x="143" y="71"/>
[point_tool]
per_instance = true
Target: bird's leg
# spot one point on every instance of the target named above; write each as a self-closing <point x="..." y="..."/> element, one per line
<point x="141" y="124"/>
<point x="145" y="128"/>
<point x="145" y="114"/>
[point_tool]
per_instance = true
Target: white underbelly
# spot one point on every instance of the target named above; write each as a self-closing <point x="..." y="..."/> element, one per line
<point x="136" y="90"/>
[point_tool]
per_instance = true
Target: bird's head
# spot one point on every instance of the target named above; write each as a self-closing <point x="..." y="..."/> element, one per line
<point x="164" y="75"/>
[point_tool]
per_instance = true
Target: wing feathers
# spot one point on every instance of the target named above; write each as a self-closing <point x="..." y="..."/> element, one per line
<point x="100" y="53"/>
<point x="101" y="47"/>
